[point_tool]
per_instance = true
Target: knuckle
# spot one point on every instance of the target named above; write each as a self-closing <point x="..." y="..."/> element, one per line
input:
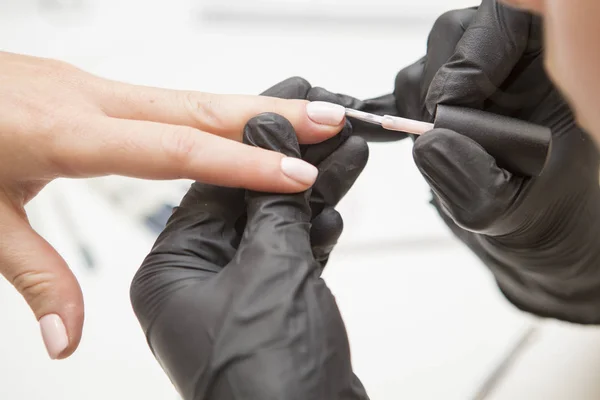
<point x="296" y="82"/>
<point x="48" y="125"/>
<point x="53" y="133"/>
<point x="59" y="66"/>
<point x="478" y="220"/>
<point x="299" y="85"/>
<point x="32" y="285"/>
<point x="67" y="74"/>
<point x="64" y="69"/>
<point x="42" y="118"/>
<point x="292" y="88"/>
<point x="361" y="152"/>
<point x="321" y="94"/>
<point x="47" y="131"/>
<point x="203" y="109"/>
<point x="55" y="64"/>
<point x="409" y="79"/>
<point x="180" y="146"/>
<point x="450" y="21"/>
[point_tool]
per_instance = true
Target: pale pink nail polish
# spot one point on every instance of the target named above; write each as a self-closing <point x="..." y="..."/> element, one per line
<point x="54" y="334"/>
<point x="299" y="170"/>
<point x="325" y="113"/>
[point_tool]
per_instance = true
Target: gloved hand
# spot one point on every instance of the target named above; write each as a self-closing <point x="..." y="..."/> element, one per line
<point x="231" y="298"/>
<point x="539" y="236"/>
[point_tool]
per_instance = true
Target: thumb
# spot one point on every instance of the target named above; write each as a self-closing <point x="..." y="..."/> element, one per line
<point x="284" y="310"/>
<point x="43" y="278"/>
<point x="278" y="225"/>
<point x="468" y="183"/>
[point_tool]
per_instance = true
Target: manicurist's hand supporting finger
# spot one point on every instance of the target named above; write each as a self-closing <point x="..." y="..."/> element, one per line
<point x="230" y="297"/>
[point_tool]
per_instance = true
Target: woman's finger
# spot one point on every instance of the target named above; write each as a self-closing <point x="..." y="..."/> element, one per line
<point x="222" y="115"/>
<point x="43" y="278"/>
<point x="383" y="105"/>
<point x="150" y="150"/>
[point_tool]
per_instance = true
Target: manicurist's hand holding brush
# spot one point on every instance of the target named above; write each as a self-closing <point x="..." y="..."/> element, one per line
<point x="511" y="171"/>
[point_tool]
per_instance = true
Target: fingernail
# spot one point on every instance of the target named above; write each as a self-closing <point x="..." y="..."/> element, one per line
<point x="54" y="334"/>
<point x="299" y="170"/>
<point x="325" y="113"/>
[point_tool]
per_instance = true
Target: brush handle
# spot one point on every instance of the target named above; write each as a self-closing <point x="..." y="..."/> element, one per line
<point x="518" y="146"/>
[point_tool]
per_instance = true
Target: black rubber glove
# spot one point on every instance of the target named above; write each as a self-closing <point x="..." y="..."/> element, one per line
<point x="539" y="236"/>
<point x="231" y="298"/>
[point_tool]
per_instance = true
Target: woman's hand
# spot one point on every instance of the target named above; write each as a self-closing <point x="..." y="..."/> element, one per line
<point x="58" y="121"/>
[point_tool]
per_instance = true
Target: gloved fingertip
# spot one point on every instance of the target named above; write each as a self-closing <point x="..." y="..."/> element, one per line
<point x="325" y="232"/>
<point x="292" y="88"/>
<point x="474" y="191"/>
<point x="407" y="90"/>
<point x="299" y="82"/>
<point x="435" y="97"/>
<point x="272" y="132"/>
<point x="340" y="170"/>
<point x="316" y="153"/>
<point x="321" y="94"/>
<point x="360" y="150"/>
<point x="437" y="155"/>
<point x="430" y="147"/>
<point x="326" y="228"/>
<point x="409" y="79"/>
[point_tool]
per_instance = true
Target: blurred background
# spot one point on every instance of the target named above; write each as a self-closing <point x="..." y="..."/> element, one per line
<point x="424" y="317"/>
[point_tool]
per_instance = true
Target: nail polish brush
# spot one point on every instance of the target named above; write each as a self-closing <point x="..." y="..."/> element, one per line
<point x="519" y="146"/>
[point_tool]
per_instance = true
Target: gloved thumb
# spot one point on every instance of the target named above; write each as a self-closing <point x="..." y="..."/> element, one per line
<point x="43" y="278"/>
<point x="470" y="187"/>
<point x="278" y="225"/>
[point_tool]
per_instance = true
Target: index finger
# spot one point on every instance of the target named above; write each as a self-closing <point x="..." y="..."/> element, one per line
<point x="484" y="57"/>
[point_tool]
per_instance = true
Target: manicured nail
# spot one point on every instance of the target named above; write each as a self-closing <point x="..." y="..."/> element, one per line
<point x="299" y="170"/>
<point x="325" y="113"/>
<point x="54" y="334"/>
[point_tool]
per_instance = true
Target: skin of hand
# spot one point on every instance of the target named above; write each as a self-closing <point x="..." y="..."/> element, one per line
<point x="538" y="236"/>
<point x="230" y="297"/>
<point x="572" y="53"/>
<point x="59" y="121"/>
